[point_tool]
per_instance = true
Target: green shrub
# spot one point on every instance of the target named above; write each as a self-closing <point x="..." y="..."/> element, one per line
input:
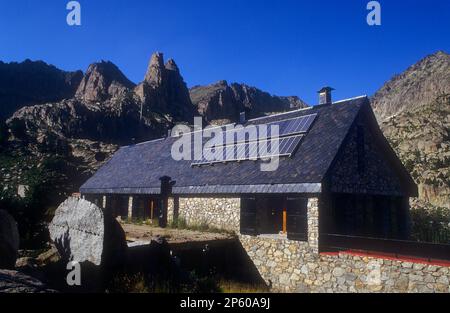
<point x="178" y="223"/>
<point x="431" y="224"/>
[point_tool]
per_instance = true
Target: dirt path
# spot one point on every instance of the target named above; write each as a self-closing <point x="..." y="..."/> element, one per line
<point x="145" y="233"/>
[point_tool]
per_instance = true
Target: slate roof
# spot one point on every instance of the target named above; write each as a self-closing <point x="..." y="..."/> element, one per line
<point x="137" y="168"/>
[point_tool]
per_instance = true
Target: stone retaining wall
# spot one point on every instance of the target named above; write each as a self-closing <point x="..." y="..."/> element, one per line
<point x="222" y="213"/>
<point x="292" y="266"/>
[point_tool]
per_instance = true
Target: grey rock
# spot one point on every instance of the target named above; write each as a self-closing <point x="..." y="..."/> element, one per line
<point x="164" y="91"/>
<point x="413" y="110"/>
<point x="415" y="87"/>
<point x="155" y="71"/>
<point x="9" y="240"/>
<point x="82" y="232"/>
<point x="48" y="257"/>
<point x="25" y="262"/>
<point x="17" y="282"/>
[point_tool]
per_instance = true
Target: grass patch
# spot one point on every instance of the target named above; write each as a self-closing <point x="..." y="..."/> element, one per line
<point x="181" y="223"/>
<point x="230" y="286"/>
<point x="128" y="283"/>
<point x="140" y="221"/>
<point x="195" y="283"/>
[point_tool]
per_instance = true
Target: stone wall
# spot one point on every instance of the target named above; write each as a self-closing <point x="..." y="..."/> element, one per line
<point x="222" y="213"/>
<point x="291" y="266"/>
<point x="130" y="207"/>
<point x="313" y="224"/>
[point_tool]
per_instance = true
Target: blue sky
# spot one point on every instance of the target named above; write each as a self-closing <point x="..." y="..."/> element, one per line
<point x="283" y="47"/>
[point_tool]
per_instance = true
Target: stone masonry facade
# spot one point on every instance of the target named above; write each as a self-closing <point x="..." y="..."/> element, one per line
<point x="290" y="266"/>
<point x="313" y="224"/>
<point x="222" y="213"/>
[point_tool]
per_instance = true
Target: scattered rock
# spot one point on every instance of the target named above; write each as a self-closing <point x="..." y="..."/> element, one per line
<point x="17" y="282"/>
<point x="25" y="262"/>
<point x="49" y="256"/>
<point x="9" y="240"/>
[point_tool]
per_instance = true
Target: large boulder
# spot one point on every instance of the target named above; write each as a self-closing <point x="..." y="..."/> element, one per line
<point x="17" y="282"/>
<point x="82" y="232"/>
<point x="9" y="240"/>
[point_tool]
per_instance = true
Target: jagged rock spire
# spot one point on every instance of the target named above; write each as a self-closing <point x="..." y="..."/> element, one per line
<point x="164" y="90"/>
<point x="155" y="71"/>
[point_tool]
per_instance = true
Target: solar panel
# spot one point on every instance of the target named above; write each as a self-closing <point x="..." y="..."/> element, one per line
<point x="292" y="126"/>
<point x="251" y="150"/>
<point x="247" y="146"/>
<point x="295" y="125"/>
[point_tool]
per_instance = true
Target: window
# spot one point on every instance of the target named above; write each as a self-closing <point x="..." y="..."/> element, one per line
<point x="274" y="215"/>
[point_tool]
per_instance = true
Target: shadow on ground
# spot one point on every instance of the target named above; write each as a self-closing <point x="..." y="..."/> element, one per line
<point x="191" y="267"/>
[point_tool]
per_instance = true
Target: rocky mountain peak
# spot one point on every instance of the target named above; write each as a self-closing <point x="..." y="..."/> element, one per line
<point x="415" y="87"/>
<point x="440" y="54"/>
<point x="164" y="90"/>
<point x="413" y="109"/>
<point x="33" y="82"/>
<point x="155" y="71"/>
<point x="220" y="83"/>
<point x="172" y="66"/>
<point x="102" y="81"/>
<point x="222" y="102"/>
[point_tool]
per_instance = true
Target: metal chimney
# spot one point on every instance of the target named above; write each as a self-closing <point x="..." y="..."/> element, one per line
<point x="325" y="95"/>
<point x="242" y="118"/>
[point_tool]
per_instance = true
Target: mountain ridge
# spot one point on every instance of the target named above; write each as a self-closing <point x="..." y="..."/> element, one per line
<point x="419" y="84"/>
<point x="34" y="82"/>
<point x="104" y="110"/>
<point x="223" y="102"/>
<point x="413" y="110"/>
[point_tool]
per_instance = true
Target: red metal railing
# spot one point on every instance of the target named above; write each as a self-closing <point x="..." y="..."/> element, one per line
<point x="397" y="248"/>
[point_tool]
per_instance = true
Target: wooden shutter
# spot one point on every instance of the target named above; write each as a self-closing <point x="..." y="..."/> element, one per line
<point x="297" y="219"/>
<point x="248" y="225"/>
